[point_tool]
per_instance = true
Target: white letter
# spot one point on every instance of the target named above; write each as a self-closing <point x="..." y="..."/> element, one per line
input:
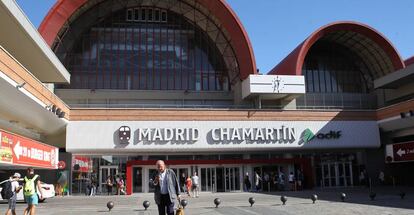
<point x="235" y="134"/>
<point x="179" y="134"/>
<point x="224" y="132"/>
<point x="195" y="134"/>
<point x="213" y="134"/>
<point x="259" y="134"/>
<point x="157" y="134"/>
<point x="168" y="134"/>
<point x="269" y="134"/>
<point x="247" y="133"/>
<point x="145" y="133"/>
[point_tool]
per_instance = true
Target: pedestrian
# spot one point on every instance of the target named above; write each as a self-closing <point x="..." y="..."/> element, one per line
<point x="281" y="181"/>
<point x="300" y="180"/>
<point x="120" y="186"/>
<point x="247" y="183"/>
<point x="14" y="188"/>
<point x="362" y="178"/>
<point x="183" y="182"/>
<point x="257" y="181"/>
<point x="266" y="181"/>
<point x="292" y="181"/>
<point x="381" y="178"/>
<point x="109" y="185"/>
<point x="195" y="186"/>
<point x="167" y="189"/>
<point x="188" y="184"/>
<point x="31" y="189"/>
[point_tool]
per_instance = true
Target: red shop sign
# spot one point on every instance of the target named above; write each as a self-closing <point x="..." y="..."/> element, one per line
<point x="81" y="164"/>
<point x="23" y="151"/>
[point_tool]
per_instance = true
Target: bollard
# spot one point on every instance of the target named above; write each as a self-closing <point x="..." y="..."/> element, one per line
<point x="283" y="199"/>
<point x="110" y="205"/>
<point x="217" y="202"/>
<point x="402" y="194"/>
<point x="343" y="196"/>
<point x="146" y="204"/>
<point x="372" y="195"/>
<point x="314" y="197"/>
<point x="251" y="201"/>
<point x="184" y="203"/>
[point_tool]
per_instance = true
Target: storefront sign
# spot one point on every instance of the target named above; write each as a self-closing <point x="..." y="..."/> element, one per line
<point x="81" y="164"/>
<point x="106" y="136"/>
<point x="400" y="152"/>
<point x="23" y="151"/>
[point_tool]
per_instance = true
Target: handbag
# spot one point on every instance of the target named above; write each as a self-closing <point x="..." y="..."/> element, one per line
<point x="180" y="209"/>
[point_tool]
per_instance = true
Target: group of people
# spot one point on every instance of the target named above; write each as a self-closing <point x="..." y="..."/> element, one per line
<point x="190" y="185"/>
<point x="31" y="190"/>
<point x="119" y="183"/>
<point x="274" y="181"/>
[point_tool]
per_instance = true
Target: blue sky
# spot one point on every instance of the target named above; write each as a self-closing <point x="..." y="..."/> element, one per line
<point x="276" y="27"/>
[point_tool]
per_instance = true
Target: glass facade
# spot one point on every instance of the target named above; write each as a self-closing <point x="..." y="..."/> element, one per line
<point x="332" y="68"/>
<point x="145" y="48"/>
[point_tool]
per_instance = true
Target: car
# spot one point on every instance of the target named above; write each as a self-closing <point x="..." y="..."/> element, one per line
<point x="48" y="191"/>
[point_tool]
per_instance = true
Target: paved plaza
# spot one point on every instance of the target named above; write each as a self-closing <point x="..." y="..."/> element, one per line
<point x="357" y="202"/>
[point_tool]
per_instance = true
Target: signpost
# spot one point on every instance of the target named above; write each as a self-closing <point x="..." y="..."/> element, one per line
<point x="401" y="152"/>
<point x="18" y="150"/>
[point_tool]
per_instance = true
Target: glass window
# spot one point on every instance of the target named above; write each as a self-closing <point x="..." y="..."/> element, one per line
<point x="166" y="54"/>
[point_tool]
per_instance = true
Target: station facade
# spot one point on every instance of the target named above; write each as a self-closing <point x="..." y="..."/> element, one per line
<point x="177" y="81"/>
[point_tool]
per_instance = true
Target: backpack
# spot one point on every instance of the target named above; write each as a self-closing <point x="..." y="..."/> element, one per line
<point x="7" y="192"/>
<point x="29" y="188"/>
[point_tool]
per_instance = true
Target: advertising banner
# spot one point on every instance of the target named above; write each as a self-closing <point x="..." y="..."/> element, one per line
<point x="18" y="150"/>
<point x="81" y="164"/>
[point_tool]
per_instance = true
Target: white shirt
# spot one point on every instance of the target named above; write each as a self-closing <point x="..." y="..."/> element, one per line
<point x="163" y="182"/>
<point x="15" y="185"/>
<point x="194" y="179"/>
<point x="291" y="178"/>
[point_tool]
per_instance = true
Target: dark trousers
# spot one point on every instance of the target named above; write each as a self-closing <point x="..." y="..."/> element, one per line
<point x="166" y="204"/>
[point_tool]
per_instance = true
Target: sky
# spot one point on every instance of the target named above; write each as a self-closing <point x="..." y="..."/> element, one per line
<point x="276" y="27"/>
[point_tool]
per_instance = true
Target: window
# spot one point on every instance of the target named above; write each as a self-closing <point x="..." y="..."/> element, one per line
<point x="129" y="15"/>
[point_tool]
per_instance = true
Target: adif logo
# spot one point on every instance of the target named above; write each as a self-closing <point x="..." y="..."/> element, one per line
<point x="307" y="135"/>
<point x="124" y="134"/>
<point x="277" y="84"/>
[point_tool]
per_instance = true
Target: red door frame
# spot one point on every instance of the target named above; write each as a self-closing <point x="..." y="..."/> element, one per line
<point x="305" y="164"/>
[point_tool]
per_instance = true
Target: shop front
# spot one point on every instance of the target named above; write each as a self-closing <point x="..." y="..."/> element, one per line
<point x="324" y="153"/>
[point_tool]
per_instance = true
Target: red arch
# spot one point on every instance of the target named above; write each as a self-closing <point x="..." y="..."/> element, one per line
<point x="64" y="9"/>
<point x="292" y="64"/>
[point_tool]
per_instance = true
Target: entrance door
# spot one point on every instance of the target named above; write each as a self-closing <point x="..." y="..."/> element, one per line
<point x="104" y="172"/>
<point x="182" y="173"/>
<point x="337" y="174"/>
<point x="232" y="176"/>
<point x="208" y="178"/>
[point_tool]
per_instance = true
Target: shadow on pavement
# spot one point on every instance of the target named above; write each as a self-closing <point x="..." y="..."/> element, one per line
<point x="385" y="196"/>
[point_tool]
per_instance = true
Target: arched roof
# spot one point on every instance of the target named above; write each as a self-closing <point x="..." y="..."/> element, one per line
<point x="62" y="11"/>
<point x="409" y="61"/>
<point x="369" y="44"/>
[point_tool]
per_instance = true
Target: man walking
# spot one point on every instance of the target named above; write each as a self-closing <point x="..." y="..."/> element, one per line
<point x="15" y="188"/>
<point x="167" y="189"/>
<point x="195" y="187"/>
<point x="31" y="188"/>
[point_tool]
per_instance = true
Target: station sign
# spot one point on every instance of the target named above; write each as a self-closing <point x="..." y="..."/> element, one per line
<point x="141" y="136"/>
<point x="22" y="151"/>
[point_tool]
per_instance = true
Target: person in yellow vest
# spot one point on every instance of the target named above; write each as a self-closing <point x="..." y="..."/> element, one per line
<point x="31" y="189"/>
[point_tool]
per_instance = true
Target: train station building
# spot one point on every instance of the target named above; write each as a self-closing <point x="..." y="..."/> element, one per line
<point x="116" y="85"/>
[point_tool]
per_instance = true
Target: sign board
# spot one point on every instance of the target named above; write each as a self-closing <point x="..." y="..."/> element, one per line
<point x="184" y="136"/>
<point x="400" y="152"/>
<point x="18" y="150"/>
<point x="81" y="164"/>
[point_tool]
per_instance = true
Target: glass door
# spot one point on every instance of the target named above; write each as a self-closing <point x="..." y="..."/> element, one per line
<point x="208" y="178"/>
<point x="232" y="177"/>
<point x="337" y="174"/>
<point x="104" y="173"/>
